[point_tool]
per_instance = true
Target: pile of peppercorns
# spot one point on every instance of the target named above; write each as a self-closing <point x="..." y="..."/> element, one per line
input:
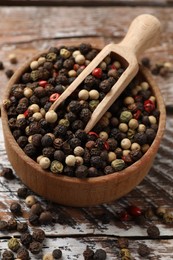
<point x="56" y="139"/>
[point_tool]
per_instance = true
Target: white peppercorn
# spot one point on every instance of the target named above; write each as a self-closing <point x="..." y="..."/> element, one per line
<point x="80" y="59"/>
<point x="70" y="160"/>
<point x="76" y="53"/>
<point x="41" y="60"/>
<point x="144" y="85"/>
<point x="141" y="128"/>
<point x="27" y="92"/>
<point x="64" y="53"/>
<point x="135" y="146"/>
<point x="111" y="156"/>
<point x="44" y="162"/>
<point x="123" y="127"/>
<point x="125" y="143"/>
<point x="152" y="119"/>
<point x="34" y="65"/>
<point x="83" y="94"/>
<point x="30" y="200"/>
<point x="48" y="256"/>
<point x="79" y="160"/>
<point x="128" y="100"/>
<point x="51" y="116"/>
<point x="103" y="135"/>
<point x="144" y="148"/>
<point x="78" y="151"/>
<point x="34" y="108"/>
<point x="133" y="123"/>
<point x="94" y="94"/>
<point x="37" y="116"/>
<point x="72" y="73"/>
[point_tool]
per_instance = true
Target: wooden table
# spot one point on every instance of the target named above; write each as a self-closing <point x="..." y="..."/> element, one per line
<point x="24" y="31"/>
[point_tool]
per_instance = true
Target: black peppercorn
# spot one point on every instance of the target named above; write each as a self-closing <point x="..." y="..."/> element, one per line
<point x="140" y="138"/>
<point x="22" y="141"/>
<point x="59" y="155"/>
<point x="36" y="209"/>
<point x="88" y="254"/>
<point x="135" y="155"/>
<point x="81" y="171"/>
<point x="85" y="115"/>
<point x="77" y="125"/>
<point x="93" y="172"/>
<point x="30" y="150"/>
<point x="23" y="254"/>
<point x="60" y="131"/>
<point x="3" y="225"/>
<point x="143" y="250"/>
<point x="7" y="255"/>
<point x="85" y="48"/>
<point x="100" y="254"/>
<point x="35" y="247"/>
<point x="15" y="208"/>
<point x="22" y="227"/>
<point x="12" y="224"/>
<point x="108" y="169"/>
<point x="57" y="254"/>
<point x="153" y="232"/>
<point x="22" y="192"/>
<point x="74" y="142"/>
<point x="146" y="62"/>
<point x="9" y="73"/>
<point x="105" y="86"/>
<point x="38" y="235"/>
<point x="1" y="65"/>
<point x="45" y="218"/>
<point x="26" y="239"/>
<point x="96" y="161"/>
<point x="46" y="140"/>
<point x="33" y="219"/>
<point x="7" y="173"/>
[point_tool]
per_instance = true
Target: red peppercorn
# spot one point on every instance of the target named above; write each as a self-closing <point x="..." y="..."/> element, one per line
<point x="42" y="83"/>
<point x="106" y="145"/>
<point x="124" y="216"/>
<point x="76" y="66"/>
<point x="113" y="67"/>
<point x="137" y="114"/>
<point x="54" y="97"/>
<point x="134" y="211"/>
<point x="93" y="133"/>
<point x="55" y="74"/>
<point x="149" y="105"/>
<point x="26" y="113"/>
<point x="97" y="72"/>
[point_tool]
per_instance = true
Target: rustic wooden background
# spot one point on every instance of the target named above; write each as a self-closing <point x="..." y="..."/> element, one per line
<point x="27" y="30"/>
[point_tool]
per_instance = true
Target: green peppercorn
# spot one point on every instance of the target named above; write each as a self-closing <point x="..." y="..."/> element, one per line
<point x="168" y="217"/>
<point x="56" y="167"/>
<point x="125" y="116"/>
<point x="13" y="244"/>
<point x="118" y="164"/>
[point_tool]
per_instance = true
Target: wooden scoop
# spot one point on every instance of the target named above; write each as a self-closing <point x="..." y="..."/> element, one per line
<point x="143" y="33"/>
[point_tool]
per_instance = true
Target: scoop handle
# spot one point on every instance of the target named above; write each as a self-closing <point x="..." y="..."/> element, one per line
<point x="143" y="33"/>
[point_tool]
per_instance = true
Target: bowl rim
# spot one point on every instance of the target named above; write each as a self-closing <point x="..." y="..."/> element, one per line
<point x="90" y="180"/>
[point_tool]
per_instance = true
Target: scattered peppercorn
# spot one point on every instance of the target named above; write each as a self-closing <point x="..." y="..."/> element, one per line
<point x="13" y="244"/>
<point x="15" y="208"/>
<point x="7" y="173"/>
<point x="57" y="254"/>
<point x="153" y="232"/>
<point x="143" y="250"/>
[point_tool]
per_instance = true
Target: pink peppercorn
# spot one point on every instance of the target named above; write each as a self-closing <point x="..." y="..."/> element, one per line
<point x="134" y="211"/>
<point x="93" y="133"/>
<point x="149" y="105"/>
<point x="54" y="97"/>
<point x="42" y="83"/>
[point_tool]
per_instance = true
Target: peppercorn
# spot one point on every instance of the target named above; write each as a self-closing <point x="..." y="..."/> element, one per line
<point x="143" y="250"/>
<point x="56" y="167"/>
<point x="88" y="253"/>
<point x="30" y="200"/>
<point x="22" y="192"/>
<point x="33" y="219"/>
<point x="108" y="169"/>
<point x="7" y="255"/>
<point x="81" y="171"/>
<point x="36" y="209"/>
<point x="123" y="242"/>
<point x="7" y="173"/>
<point x="23" y="254"/>
<point x="22" y="227"/>
<point x="13" y="244"/>
<point x="125" y="116"/>
<point x="57" y="254"/>
<point x="15" y="208"/>
<point x="35" y="247"/>
<point x="1" y="65"/>
<point x="48" y="256"/>
<point x="100" y="254"/>
<point x="3" y="225"/>
<point x="153" y="232"/>
<point x="135" y="155"/>
<point x="22" y="141"/>
<point x="12" y="224"/>
<point x="118" y="164"/>
<point x="168" y="217"/>
<point x="9" y="73"/>
<point x="38" y="235"/>
<point x="45" y="218"/>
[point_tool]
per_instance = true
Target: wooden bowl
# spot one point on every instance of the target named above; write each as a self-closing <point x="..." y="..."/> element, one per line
<point x="73" y="191"/>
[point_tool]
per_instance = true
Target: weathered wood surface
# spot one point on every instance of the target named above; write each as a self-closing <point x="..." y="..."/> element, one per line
<point x="24" y="31"/>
